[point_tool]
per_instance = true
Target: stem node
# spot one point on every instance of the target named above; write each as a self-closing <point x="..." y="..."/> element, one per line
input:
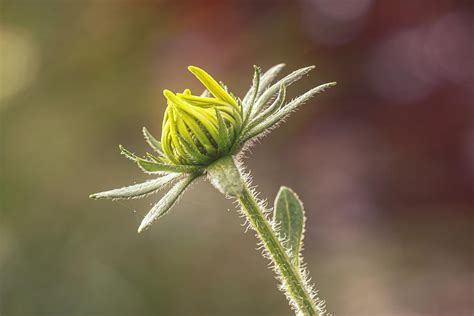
<point x="225" y="177"/>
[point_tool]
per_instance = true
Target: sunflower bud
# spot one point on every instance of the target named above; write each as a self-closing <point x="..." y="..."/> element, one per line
<point x="197" y="129"/>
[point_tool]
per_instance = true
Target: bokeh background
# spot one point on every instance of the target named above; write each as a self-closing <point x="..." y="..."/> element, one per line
<point x="384" y="162"/>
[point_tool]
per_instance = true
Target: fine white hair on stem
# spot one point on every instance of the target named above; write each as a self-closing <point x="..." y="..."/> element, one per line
<point x="261" y="246"/>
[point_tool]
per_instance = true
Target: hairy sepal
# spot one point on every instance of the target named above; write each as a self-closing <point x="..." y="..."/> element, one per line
<point x="265" y="80"/>
<point x="137" y="190"/>
<point x="252" y="94"/>
<point x="152" y="141"/>
<point x="275" y="106"/>
<point x="166" y="202"/>
<point x="273" y="90"/>
<point x="270" y="121"/>
<point x="153" y="167"/>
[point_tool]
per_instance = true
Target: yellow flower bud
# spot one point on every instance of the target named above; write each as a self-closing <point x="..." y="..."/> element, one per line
<point x="196" y="129"/>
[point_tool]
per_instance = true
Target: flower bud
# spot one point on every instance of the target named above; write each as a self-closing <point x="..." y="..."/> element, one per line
<point x="198" y="130"/>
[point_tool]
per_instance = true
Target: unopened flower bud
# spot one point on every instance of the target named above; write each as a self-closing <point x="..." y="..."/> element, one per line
<point x="196" y="129"/>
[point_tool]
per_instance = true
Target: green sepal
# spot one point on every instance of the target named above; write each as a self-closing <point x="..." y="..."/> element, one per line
<point x="142" y="163"/>
<point x="265" y="80"/>
<point x="128" y="154"/>
<point x="272" y="90"/>
<point x="166" y="202"/>
<point x="152" y="141"/>
<point x="278" y="116"/>
<point x="155" y="167"/>
<point x="288" y="222"/>
<point x="137" y="190"/>
<point x="223" y="140"/>
<point x="275" y="106"/>
<point x="269" y="76"/>
<point x="192" y="151"/>
<point x="153" y="158"/>
<point x="253" y="92"/>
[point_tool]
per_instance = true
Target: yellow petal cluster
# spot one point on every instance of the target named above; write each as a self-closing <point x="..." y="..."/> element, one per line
<point x="200" y="129"/>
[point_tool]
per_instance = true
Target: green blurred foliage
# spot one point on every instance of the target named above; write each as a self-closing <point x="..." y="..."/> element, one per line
<point x="390" y="221"/>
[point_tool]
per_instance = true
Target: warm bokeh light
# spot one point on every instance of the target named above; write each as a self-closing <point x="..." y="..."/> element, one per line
<point x="18" y="61"/>
<point x="384" y="162"/>
<point x="410" y="64"/>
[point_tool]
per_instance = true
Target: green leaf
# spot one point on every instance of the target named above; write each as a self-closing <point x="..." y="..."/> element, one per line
<point x="155" y="167"/>
<point x="166" y="202"/>
<point x="152" y="141"/>
<point x="137" y="190"/>
<point x="288" y="222"/>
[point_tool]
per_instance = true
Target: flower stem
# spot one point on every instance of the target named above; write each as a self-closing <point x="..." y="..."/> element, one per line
<point x="226" y="176"/>
<point x="291" y="278"/>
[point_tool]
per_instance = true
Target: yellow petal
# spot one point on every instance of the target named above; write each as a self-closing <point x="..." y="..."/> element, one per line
<point x="212" y="85"/>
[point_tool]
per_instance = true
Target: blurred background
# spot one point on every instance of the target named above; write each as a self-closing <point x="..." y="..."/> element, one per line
<point x="384" y="162"/>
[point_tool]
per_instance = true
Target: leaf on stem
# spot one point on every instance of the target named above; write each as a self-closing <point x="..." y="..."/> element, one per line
<point x="288" y="222"/>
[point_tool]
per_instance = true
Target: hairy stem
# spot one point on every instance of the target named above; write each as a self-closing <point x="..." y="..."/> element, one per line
<point x="292" y="281"/>
<point x="227" y="178"/>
